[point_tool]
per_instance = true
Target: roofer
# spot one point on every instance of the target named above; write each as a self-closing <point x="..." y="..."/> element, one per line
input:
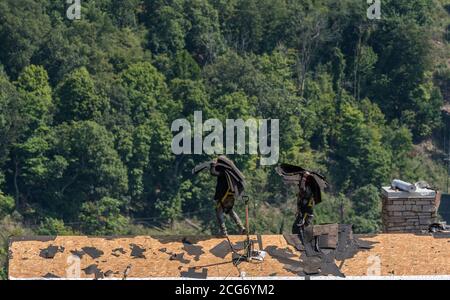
<point x="310" y="185"/>
<point x="230" y="187"/>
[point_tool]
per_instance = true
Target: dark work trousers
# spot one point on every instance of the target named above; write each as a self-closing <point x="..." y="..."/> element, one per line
<point x="305" y="212"/>
<point x="224" y="207"/>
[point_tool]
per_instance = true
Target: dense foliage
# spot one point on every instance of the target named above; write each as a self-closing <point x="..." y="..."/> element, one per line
<point x="86" y="107"/>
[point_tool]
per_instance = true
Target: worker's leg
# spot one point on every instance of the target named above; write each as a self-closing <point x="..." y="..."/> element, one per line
<point x="298" y="223"/>
<point x="221" y="219"/>
<point x="238" y="221"/>
<point x="308" y="212"/>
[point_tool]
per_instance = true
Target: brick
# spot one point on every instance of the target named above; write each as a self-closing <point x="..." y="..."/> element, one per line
<point x="409" y="214"/>
<point x="408" y="207"/>
<point x="424" y="213"/>
<point x="397" y="219"/>
<point x="410" y="228"/>
<point x="429" y="208"/>
<point x="425" y="202"/>
<point x="396" y="208"/>
<point x="400" y="199"/>
<point x="412" y="220"/>
<point x="424" y="216"/>
<point x="417" y="208"/>
<point x="425" y="222"/>
<point x="398" y="202"/>
<point x="396" y="225"/>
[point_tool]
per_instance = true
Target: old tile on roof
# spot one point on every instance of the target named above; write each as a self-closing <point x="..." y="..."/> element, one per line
<point x="341" y="254"/>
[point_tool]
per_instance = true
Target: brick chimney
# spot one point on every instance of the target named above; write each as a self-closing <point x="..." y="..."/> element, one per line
<point x="409" y="211"/>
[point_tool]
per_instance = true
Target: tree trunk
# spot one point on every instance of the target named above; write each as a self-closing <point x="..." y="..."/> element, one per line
<point x="16" y="184"/>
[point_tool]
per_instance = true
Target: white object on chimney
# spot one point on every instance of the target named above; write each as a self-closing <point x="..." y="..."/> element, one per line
<point x="403" y="186"/>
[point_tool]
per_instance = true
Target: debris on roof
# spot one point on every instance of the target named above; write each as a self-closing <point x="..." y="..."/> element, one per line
<point x="92" y="252"/>
<point x="137" y="251"/>
<point x="325" y="250"/>
<point x="440" y="230"/>
<point x="51" y="251"/>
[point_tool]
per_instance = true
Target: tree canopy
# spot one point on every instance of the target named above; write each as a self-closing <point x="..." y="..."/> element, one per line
<point x="86" y="107"/>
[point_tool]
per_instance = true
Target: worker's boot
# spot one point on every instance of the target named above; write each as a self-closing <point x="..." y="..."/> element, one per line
<point x="223" y="229"/>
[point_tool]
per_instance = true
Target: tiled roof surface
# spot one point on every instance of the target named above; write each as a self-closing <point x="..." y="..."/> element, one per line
<point x="201" y="257"/>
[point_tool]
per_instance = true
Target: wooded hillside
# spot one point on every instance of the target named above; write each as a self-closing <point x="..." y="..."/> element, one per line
<point x="86" y="108"/>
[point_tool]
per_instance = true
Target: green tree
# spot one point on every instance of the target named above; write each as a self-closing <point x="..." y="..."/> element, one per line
<point x="337" y="70"/>
<point x="170" y="208"/>
<point x="294" y="148"/>
<point x="361" y="157"/>
<point x="400" y="140"/>
<point x="103" y="217"/>
<point x="69" y="165"/>
<point x="403" y="53"/>
<point x="185" y="67"/>
<point x="12" y="123"/>
<point x="267" y="78"/>
<point x="23" y="26"/>
<point x="6" y="205"/>
<point x="223" y="77"/>
<point x="191" y="96"/>
<point x="245" y="27"/>
<point x="78" y="98"/>
<point x="146" y="91"/>
<point x="36" y="94"/>
<point x="203" y="39"/>
<point x="367" y="206"/>
<point x="124" y="12"/>
<point x="10" y="227"/>
<point x="334" y="209"/>
<point x="320" y="118"/>
<point x="167" y="25"/>
<point x="234" y="106"/>
<point x="422" y="119"/>
<point x="53" y="227"/>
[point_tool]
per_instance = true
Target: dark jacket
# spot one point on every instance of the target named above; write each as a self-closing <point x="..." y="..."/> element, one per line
<point x="224" y="182"/>
<point x="230" y="181"/>
<point x="315" y="181"/>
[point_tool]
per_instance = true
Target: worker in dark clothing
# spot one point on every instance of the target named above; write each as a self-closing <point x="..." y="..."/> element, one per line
<point x="310" y="186"/>
<point x="305" y="203"/>
<point x="230" y="186"/>
<point x="226" y="192"/>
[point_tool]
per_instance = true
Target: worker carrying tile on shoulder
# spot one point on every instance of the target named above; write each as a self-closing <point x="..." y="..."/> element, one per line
<point x="310" y="186"/>
<point x="230" y="187"/>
